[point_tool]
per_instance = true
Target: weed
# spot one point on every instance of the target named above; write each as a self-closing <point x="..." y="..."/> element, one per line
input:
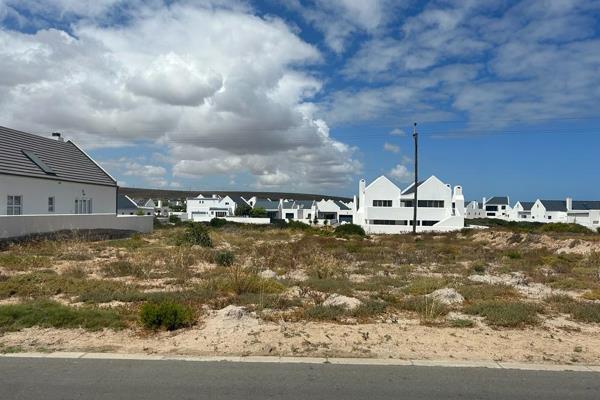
<point x="506" y="313"/>
<point x="325" y="313"/>
<point x="461" y="323"/>
<point x="484" y="291"/>
<point x="429" y="310"/>
<point x="224" y="258"/>
<point x="21" y="262"/>
<point x="167" y="315"/>
<point x="49" y="314"/>
<point x="425" y="285"/>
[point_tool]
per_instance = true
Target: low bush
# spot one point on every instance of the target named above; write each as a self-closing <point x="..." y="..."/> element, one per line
<point x="429" y="310"/>
<point x="461" y="323"/>
<point x="560" y="227"/>
<point x="196" y="234"/>
<point x="217" y="222"/>
<point x="350" y="229"/>
<point x="485" y="291"/>
<point x="167" y="315"/>
<point x="123" y="268"/>
<point x="325" y="313"/>
<point x="504" y="313"/>
<point x="224" y="258"/>
<point x="425" y="285"/>
<point x="174" y="219"/>
<point x="583" y="311"/>
<point x="22" y="262"/>
<point x="49" y="314"/>
<point x="298" y="225"/>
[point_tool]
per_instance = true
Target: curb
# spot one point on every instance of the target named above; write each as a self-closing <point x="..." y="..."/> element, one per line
<point x="310" y="360"/>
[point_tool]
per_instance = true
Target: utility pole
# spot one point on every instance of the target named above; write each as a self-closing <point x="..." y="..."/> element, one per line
<point x="416" y="184"/>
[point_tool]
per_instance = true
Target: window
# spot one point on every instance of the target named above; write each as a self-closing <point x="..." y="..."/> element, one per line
<point x="83" y="206"/>
<point x="289" y="215"/>
<point x="429" y="223"/>
<point x="382" y="203"/>
<point x="51" y="204"/>
<point x="549" y="216"/>
<point x="491" y="208"/>
<point x="406" y="203"/>
<point x="431" y="203"/>
<point x="384" y="222"/>
<point x="14" y="205"/>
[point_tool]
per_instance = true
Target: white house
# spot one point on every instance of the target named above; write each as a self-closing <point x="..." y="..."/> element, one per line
<point x="496" y="207"/>
<point x="47" y="185"/>
<point x="521" y="211"/>
<point x="40" y="175"/>
<point x="382" y="207"/>
<point x="583" y="212"/>
<point x="206" y="208"/>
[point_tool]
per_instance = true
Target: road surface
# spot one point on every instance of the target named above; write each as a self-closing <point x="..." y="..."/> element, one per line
<point x="49" y="379"/>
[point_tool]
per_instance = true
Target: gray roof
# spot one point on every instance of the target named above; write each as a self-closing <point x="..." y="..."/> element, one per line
<point x="411" y="188"/>
<point x="342" y="205"/>
<point x="498" y="200"/>
<point x="267" y="204"/>
<point x="586" y="205"/>
<point x="125" y="203"/>
<point x="527" y="205"/>
<point x="304" y="204"/>
<point x="554" y="205"/>
<point x="35" y="156"/>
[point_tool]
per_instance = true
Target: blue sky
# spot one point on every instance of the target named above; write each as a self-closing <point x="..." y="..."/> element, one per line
<point x="313" y="95"/>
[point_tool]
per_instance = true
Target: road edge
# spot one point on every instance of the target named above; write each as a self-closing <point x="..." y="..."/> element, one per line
<point x="310" y="360"/>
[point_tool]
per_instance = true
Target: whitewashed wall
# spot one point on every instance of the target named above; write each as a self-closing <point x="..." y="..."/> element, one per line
<point x="36" y="191"/>
<point x="22" y="225"/>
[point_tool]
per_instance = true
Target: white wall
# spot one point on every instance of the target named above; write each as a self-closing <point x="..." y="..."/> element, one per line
<point x="36" y="191"/>
<point x="22" y="225"/>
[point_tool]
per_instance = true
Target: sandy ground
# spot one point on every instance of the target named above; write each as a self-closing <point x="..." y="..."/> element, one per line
<point x="232" y="331"/>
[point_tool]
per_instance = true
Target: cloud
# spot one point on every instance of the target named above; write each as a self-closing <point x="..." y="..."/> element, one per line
<point x="154" y="175"/>
<point x="397" y="132"/>
<point x="392" y="148"/>
<point x="493" y="62"/>
<point x="401" y="173"/>
<point x="217" y="88"/>
<point x="351" y="18"/>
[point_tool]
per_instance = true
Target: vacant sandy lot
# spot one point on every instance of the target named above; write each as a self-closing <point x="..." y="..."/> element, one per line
<point x="482" y="295"/>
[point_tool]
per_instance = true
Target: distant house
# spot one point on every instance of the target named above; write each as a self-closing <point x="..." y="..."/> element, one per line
<point x="382" y="207"/>
<point x="203" y="208"/>
<point x="496" y="207"/>
<point x="521" y="211"/>
<point x="271" y="206"/>
<point x="581" y="212"/>
<point x="127" y="206"/>
<point x="40" y="175"/>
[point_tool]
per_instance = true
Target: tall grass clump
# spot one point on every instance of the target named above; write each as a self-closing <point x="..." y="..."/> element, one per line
<point x="196" y="234"/>
<point x="166" y="315"/>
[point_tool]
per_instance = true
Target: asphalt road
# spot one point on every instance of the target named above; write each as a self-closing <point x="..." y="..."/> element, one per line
<point x="49" y="379"/>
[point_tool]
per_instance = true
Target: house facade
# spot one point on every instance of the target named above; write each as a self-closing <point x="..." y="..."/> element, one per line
<point x="203" y="208"/>
<point x="521" y="211"/>
<point x="43" y="176"/>
<point x="495" y="207"/>
<point x="382" y="207"/>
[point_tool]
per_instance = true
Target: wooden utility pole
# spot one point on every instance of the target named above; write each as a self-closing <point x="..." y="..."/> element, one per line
<point x="416" y="184"/>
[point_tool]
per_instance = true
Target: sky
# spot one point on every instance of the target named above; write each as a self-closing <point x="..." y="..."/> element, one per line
<point x="313" y="95"/>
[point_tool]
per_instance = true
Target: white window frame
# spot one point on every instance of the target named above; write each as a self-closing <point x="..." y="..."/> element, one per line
<point x="83" y="206"/>
<point x="11" y="207"/>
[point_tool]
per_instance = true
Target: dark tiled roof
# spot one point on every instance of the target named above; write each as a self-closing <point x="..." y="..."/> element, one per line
<point x="554" y="205"/>
<point x="527" y="205"/>
<point x="498" y="200"/>
<point x="586" y="205"/>
<point x="411" y="188"/>
<point x="64" y="159"/>
<point x="304" y="204"/>
<point x="342" y="205"/>
<point x="267" y="204"/>
<point x="125" y="203"/>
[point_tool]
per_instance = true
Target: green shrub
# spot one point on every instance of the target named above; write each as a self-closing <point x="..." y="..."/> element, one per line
<point x="174" y="219"/>
<point x="22" y="262"/>
<point x="196" y="234"/>
<point x="123" y="268"/>
<point x="461" y="323"/>
<point x="218" y="222"/>
<point x="242" y="210"/>
<point x="49" y="314"/>
<point x="258" y="212"/>
<point x="167" y="315"/>
<point x="561" y="227"/>
<point x="224" y="258"/>
<point x="325" y="313"/>
<point x="484" y="291"/>
<point x="350" y="229"/>
<point x="298" y="225"/>
<point x="506" y="313"/>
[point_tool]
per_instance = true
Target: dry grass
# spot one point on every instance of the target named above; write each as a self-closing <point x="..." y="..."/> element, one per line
<point x="388" y="274"/>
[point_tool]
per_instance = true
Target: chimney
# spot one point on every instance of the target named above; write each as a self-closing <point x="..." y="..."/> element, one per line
<point x="569" y="203"/>
<point x="484" y="201"/>
<point x="58" y="136"/>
